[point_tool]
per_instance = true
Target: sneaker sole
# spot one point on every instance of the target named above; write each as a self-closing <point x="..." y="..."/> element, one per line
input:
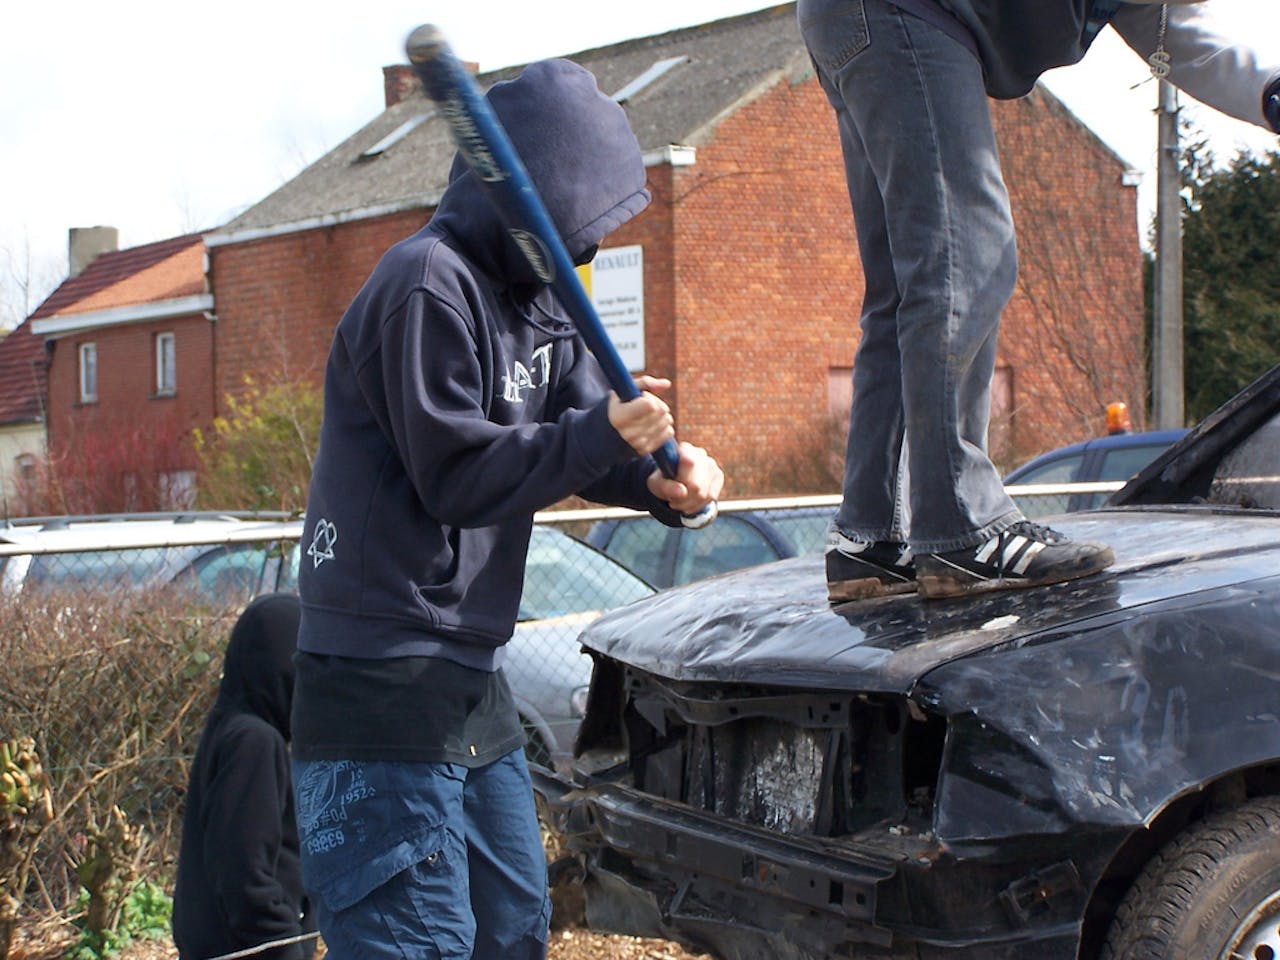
<point x="842" y="591"/>
<point x="939" y="586"/>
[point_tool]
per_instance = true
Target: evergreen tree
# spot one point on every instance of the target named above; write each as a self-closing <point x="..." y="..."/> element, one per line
<point x="1231" y="284"/>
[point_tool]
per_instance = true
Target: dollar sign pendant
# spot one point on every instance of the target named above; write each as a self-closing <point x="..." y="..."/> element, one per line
<point x="1160" y="61"/>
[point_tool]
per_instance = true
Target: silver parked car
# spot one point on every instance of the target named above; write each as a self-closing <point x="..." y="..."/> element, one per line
<point x="221" y="558"/>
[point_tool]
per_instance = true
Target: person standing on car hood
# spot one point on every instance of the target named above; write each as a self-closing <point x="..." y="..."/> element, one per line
<point x="909" y="81"/>
<point x="458" y="401"/>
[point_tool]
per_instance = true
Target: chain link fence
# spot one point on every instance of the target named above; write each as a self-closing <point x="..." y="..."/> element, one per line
<point x="112" y="631"/>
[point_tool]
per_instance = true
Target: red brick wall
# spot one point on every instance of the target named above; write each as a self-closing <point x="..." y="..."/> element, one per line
<point x="768" y="285"/>
<point x="280" y="298"/>
<point x="1073" y="335"/>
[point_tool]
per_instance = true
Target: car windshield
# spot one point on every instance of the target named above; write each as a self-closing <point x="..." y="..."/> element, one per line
<point x="1065" y="469"/>
<point x="807" y="532"/>
<point x="1123" y="462"/>
<point x="729" y="544"/>
<point x="564" y="576"/>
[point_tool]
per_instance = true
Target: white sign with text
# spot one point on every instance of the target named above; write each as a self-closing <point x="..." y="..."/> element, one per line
<point x="615" y="282"/>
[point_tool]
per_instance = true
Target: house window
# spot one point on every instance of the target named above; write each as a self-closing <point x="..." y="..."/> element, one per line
<point x="88" y="373"/>
<point x="166" y="365"/>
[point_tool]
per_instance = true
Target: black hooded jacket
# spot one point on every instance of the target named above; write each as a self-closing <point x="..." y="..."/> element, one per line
<point x="459" y="401"/>
<point x="239" y="879"/>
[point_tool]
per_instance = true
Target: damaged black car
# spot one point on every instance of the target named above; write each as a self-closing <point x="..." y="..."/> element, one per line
<point x="1085" y="770"/>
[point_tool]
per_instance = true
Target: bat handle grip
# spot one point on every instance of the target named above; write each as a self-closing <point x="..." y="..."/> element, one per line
<point x="668" y="459"/>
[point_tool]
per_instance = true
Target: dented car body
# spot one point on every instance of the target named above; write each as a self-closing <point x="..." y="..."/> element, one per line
<point x="763" y="775"/>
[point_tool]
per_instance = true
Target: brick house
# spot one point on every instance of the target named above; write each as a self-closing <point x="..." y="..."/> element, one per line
<point x="745" y="263"/>
<point x="130" y="371"/>
<point x="23" y="388"/>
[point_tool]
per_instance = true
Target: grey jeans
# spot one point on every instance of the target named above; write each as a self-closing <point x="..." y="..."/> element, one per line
<point x="937" y="245"/>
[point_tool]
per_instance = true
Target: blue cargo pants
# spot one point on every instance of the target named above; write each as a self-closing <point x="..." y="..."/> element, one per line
<point x="419" y="861"/>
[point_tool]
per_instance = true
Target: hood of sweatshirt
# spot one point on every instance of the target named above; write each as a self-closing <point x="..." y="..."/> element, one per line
<point x="257" y="672"/>
<point x="580" y="152"/>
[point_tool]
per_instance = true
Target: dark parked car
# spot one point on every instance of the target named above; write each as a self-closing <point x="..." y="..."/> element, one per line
<point x="1086" y="770"/>
<point x="1117" y="457"/>
<point x="664" y="556"/>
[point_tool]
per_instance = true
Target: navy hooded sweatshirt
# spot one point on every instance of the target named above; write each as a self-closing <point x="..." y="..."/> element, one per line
<point x="239" y="878"/>
<point x="459" y="400"/>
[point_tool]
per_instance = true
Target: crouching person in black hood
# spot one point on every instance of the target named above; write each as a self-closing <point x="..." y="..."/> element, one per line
<point x="239" y="881"/>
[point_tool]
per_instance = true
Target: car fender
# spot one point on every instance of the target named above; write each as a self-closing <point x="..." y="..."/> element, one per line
<point x="1107" y="722"/>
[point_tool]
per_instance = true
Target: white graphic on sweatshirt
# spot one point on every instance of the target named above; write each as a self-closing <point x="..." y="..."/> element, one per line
<point x="323" y="538"/>
<point x="533" y="377"/>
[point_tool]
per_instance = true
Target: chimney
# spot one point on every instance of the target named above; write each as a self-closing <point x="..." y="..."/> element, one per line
<point x="84" y="244"/>
<point x="399" y="82"/>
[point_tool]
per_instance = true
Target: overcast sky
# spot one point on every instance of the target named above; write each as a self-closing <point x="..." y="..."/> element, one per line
<point x="163" y="118"/>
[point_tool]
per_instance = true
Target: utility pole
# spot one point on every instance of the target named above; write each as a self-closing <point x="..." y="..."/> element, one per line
<point x="1167" y="387"/>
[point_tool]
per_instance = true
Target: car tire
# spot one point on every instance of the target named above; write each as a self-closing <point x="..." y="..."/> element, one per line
<point x="1213" y="892"/>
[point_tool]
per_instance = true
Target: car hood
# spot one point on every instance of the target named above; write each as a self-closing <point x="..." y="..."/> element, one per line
<point x="773" y="624"/>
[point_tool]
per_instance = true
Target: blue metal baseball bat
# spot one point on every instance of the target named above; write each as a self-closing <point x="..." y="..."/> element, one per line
<point x="492" y="157"/>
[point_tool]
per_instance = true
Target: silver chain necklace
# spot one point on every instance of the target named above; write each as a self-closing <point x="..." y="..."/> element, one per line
<point x="1160" y="61"/>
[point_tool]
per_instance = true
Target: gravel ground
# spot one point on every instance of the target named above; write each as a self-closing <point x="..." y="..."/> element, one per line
<point x="571" y="944"/>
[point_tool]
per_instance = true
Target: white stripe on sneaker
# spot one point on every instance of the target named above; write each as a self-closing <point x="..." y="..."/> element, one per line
<point x="1025" y="560"/>
<point x="1010" y="552"/>
<point x="987" y="549"/>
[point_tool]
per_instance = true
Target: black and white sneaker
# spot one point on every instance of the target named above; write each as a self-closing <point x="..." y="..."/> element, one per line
<point x="1025" y="555"/>
<point x="859" y="569"/>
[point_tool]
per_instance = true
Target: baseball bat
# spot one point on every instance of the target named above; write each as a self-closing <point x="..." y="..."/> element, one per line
<point x="492" y="157"/>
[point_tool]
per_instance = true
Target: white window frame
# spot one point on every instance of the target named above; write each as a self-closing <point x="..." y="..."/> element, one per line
<point x="166" y="364"/>
<point x="88" y="354"/>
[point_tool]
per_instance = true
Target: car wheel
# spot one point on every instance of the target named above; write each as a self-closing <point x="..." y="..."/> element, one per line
<point x="1213" y="892"/>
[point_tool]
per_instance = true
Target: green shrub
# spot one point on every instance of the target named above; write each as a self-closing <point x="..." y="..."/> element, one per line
<point x="146" y="914"/>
